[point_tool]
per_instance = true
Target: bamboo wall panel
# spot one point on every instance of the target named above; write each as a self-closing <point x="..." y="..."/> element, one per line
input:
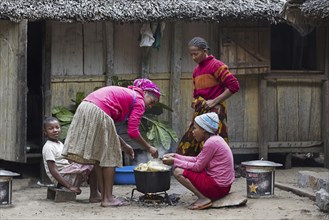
<point x="245" y="50"/>
<point x="242" y="111"/>
<point x="299" y="110"/>
<point x="67" y="49"/>
<point x="63" y="91"/>
<point x="93" y="54"/>
<point x="160" y="59"/>
<point x="9" y="107"/>
<point x="195" y="29"/>
<point x="127" y="53"/>
<point x="272" y="114"/>
<point x="186" y="112"/>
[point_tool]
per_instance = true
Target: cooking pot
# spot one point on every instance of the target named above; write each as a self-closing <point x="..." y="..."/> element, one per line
<point x="152" y="182"/>
<point x="260" y="176"/>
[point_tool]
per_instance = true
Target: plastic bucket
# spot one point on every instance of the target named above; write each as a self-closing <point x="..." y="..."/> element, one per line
<point x="124" y="175"/>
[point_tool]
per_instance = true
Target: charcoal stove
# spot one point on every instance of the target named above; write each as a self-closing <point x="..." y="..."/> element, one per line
<point x="153" y="185"/>
<point x="153" y="198"/>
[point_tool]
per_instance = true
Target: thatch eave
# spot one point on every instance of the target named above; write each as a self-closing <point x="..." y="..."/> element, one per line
<point x="316" y="10"/>
<point x="141" y="10"/>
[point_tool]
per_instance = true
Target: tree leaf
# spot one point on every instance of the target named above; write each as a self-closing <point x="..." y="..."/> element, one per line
<point x="56" y="110"/>
<point x="65" y="115"/>
<point x="64" y="130"/>
<point x="165" y="138"/>
<point x="151" y="133"/>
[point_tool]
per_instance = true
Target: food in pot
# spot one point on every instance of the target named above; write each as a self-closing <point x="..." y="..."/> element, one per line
<point x="152" y="166"/>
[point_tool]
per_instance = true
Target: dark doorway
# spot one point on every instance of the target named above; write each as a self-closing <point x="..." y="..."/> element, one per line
<point x="34" y="84"/>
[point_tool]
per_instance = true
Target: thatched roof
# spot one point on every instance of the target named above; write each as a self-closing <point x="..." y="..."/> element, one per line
<point x="317" y="10"/>
<point x="141" y="10"/>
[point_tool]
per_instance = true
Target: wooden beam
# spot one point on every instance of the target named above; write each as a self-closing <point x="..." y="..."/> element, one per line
<point x="325" y="108"/>
<point x="295" y="144"/>
<point x="262" y="138"/>
<point x="311" y="76"/>
<point x="296" y="190"/>
<point x="22" y="91"/>
<point x="146" y="51"/>
<point x="240" y="145"/>
<point x="46" y="68"/>
<point x="317" y="149"/>
<point x="175" y="76"/>
<point x="108" y="32"/>
<point x="77" y="79"/>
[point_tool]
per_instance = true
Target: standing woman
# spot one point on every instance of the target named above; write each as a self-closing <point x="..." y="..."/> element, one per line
<point x="92" y="137"/>
<point x="213" y="84"/>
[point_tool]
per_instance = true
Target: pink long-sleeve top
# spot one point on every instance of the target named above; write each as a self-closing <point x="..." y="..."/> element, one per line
<point x="116" y="102"/>
<point x="215" y="158"/>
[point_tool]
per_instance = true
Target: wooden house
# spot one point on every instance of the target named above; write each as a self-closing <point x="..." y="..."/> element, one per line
<point x="49" y="50"/>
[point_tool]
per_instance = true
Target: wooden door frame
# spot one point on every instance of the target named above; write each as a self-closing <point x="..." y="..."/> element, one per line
<point x="22" y="91"/>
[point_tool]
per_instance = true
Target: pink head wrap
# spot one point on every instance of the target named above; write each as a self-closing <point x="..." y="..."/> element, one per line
<point x="148" y="85"/>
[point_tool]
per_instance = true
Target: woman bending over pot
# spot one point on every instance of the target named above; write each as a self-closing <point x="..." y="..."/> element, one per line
<point x="210" y="174"/>
<point x="92" y="137"/>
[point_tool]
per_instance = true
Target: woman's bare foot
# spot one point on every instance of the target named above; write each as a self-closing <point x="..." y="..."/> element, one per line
<point x="114" y="203"/>
<point x="201" y="203"/>
<point x="95" y="198"/>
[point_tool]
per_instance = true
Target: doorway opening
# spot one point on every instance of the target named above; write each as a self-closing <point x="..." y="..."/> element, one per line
<point x="34" y="85"/>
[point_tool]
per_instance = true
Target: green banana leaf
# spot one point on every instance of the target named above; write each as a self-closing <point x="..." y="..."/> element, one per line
<point x="165" y="138"/>
<point x="151" y="134"/>
<point x="64" y="130"/>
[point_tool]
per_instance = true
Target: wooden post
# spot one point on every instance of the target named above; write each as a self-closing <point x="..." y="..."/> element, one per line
<point x="108" y="31"/>
<point x="262" y="138"/>
<point x="325" y="105"/>
<point x="22" y="91"/>
<point x="46" y="84"/>
<point x="175" y="76"/>
<point x="146" y="51"/>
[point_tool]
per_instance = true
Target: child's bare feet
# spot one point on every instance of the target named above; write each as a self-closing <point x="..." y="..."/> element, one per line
<point x="114" y="203"/>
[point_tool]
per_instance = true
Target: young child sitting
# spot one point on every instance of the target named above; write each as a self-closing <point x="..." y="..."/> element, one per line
<point x="210" y="174"/>
<point x="60" y="171"/>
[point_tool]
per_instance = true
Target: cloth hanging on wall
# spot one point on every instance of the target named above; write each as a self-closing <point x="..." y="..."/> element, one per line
<point x="147" y="38"/>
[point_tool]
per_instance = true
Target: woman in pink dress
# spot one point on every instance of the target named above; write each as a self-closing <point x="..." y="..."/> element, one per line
<point x="210" y="174"/>
<point x="92" y="137"/>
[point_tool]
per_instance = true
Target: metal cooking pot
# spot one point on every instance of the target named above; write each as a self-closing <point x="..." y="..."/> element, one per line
<point x="152" y="182"/>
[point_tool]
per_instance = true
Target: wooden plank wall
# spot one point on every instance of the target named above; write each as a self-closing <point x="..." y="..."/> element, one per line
<point x="12" y="90"/>
<point x="78" y="60"/>
<point x="294" y="106"/>
<point x="294" y="110"/>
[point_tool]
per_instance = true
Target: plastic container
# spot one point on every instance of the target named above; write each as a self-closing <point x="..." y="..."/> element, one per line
<point x="124" y="175"/>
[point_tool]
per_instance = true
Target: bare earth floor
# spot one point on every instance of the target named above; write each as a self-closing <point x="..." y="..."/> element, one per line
<point x="31" y="203"/>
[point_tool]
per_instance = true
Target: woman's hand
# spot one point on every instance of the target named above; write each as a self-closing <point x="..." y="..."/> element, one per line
<point x="168" y="160"/>
<point x="128" y="150"/>
<point x="211" y="103"/>
<point x="75" y="189"/>
<point x="169" y="155"/>
<point x="153" y="151"/>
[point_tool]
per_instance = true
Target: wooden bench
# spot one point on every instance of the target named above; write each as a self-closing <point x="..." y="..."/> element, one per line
<point x="60" y="195"/>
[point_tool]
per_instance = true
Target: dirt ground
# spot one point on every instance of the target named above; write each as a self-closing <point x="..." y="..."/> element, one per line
<point x="31" y="203"/>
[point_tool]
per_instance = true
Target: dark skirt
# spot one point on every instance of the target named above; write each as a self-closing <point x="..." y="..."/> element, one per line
<point x="188" y="146"/>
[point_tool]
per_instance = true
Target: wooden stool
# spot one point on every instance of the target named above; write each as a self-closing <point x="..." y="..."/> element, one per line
<point x="60" y="195"/>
